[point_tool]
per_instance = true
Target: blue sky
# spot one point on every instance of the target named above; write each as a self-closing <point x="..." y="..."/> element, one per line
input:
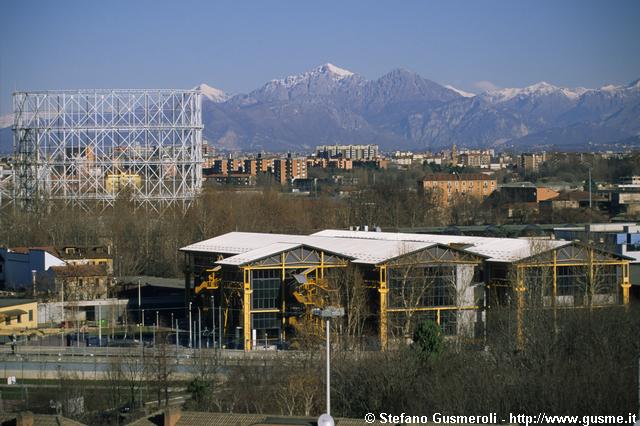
<point x="239" y="45"/>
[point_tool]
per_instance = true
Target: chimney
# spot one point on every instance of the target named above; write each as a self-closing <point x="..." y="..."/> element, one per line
<point x="24" y="418"/>
<point x="172" y="415"/>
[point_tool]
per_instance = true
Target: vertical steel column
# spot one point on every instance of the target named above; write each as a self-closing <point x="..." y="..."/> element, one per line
<point x="282" y="296"/>
<point x="246" y="308"/>
<point x="520" y="289"/>
<point x="384" y="297"/>
<point x="626" y="285"/>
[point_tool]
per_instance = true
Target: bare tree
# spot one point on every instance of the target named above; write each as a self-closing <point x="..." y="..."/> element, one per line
<point x="133" y="374"/>
<point x="351" y="293"/>
<point x="160" y="368"/>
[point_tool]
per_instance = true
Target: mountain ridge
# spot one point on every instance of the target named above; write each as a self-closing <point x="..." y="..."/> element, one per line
<point x="403" y="110"/>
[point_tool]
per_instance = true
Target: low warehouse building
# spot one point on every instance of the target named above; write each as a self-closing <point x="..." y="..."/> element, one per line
<point x="266" y="286"/>
<point x="18" y="315"/>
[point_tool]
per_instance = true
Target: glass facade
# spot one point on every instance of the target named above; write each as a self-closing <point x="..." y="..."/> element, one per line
<point x="427" y="286"/>
<point x="265" y="284"/>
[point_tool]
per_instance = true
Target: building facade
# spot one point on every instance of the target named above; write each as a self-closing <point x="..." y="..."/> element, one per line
<point x="288" y="169"/>
<point x="18" y="314"/>
<point x="351" y="152"/>
<point x="267" y="285"/>
<point x="530" y="163"/>
<point x="448" y="185"/>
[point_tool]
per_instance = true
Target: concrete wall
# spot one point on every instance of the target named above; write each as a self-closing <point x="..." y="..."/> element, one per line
<point x="466" y="297"/>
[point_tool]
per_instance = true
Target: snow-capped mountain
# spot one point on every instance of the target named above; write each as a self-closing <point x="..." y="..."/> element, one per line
<point x="460" y="91"/>
<point x="320" y="81"/>
<point x="535" y="90"/>
<point x="212" y="94"/>
<point x="403" y="110"/>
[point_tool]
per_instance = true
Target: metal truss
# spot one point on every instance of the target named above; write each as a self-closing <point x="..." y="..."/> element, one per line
<point x="86" y="147"/>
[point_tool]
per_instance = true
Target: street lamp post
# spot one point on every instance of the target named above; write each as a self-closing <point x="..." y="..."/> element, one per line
<point x="190" y="329"/>
<point x="328" y="314"/>
<point x="155" y="328"/>
<point x="213" y="322"/>
<point x="199" y="329"/>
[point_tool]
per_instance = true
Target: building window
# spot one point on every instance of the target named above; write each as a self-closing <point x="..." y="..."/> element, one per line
<point x="7" y="320"/>
<point x="266" y="289"/>
<point x="30" y="314"/>
<point x="19" y="318"/>
<point x="411" y="287"/>
<point x="266" y="320"/>
<point x="449" y="322"/>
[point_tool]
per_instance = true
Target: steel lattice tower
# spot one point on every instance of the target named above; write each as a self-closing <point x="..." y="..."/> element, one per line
<point x="87" y="146"/>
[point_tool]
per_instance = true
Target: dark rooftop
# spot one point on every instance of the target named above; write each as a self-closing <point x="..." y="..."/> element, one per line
<point x="8" y="301"/>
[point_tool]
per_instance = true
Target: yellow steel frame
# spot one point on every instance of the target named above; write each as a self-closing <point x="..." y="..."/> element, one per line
<point x="521" y="289"/>
<point x="211" y="283"/>
<point x="283" y="267"/>
<point x="383" y="289"/>
<point x="384" y="292"/>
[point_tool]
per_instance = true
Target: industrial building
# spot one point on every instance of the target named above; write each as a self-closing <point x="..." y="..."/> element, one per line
<point x="85" y="147"/>
<point x="265" y="286"/>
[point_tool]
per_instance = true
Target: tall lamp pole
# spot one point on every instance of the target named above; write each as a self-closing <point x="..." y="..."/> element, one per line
<point x="190" y="329"/>
<point x="328" y="314"/>
<point x="64" y="325"/>
<point x="199" y="329"/>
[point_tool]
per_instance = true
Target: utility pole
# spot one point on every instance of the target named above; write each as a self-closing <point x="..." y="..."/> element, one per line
<point x="199" y="329"/>
<point x="33" y="279"/>
<point x="328" y="327"/>
<point x="140" y="320"/>
<point x="155" y="328"/>
<point x="213" y="322"/>
<point x="220" y="326"/>
<point x="328" y="314"/>
<point x="190" y="329"/>
<point x="99" y="325"/>
<point x="62" y="309"/>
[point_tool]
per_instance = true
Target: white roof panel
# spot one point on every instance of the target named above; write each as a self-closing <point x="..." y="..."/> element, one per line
<point x="257" y="254"/>
<point x="240" y="242"/>
<point x="247" y="246"/>
<point x="495" y="249"/>
<point x="366" y="247"/>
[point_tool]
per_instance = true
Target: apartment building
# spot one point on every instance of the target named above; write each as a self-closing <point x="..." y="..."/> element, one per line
<point x="530" y="163"/>
<point x="287" y="169"/>
<point x="447" y="185"/>
<point x="352" y="152"/>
